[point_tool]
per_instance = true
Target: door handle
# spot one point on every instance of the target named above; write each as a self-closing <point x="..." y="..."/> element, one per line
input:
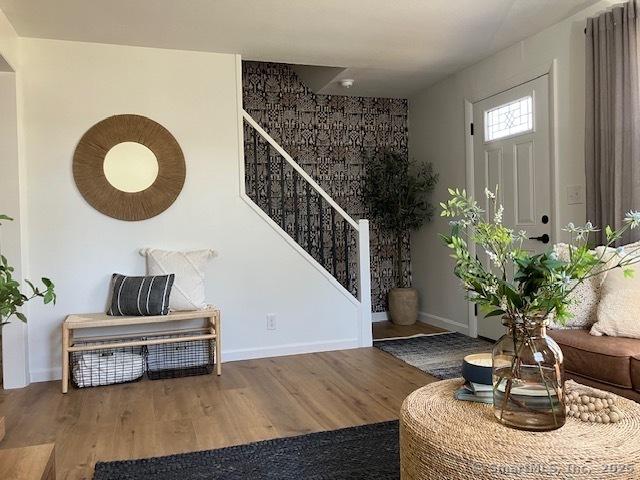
<point x="542" y="238"/>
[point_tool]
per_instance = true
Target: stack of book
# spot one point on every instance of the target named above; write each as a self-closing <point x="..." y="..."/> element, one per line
<point x="475" y="392"/>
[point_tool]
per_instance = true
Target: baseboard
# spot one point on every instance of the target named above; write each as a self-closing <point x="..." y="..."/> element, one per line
<point x="51" y="374"/>
<point x="379" y="316"/>
<point x="442" y="322"/>
<point x="290" y="349"/>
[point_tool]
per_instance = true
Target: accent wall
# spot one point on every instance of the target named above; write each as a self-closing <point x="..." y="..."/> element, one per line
<point x="331" y="137"/>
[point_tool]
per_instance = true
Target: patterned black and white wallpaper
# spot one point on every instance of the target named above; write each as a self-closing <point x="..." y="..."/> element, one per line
<point x="331" y="137"/>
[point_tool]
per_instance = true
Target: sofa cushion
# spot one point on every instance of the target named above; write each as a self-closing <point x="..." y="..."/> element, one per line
<point x="605" y="359"/>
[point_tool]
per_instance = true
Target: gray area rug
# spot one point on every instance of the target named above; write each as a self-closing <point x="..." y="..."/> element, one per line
<point x="439" y="355"/>
<point x="359" y="453"/>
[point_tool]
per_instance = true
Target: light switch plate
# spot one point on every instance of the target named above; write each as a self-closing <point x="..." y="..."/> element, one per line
<point x="575" y="194"/>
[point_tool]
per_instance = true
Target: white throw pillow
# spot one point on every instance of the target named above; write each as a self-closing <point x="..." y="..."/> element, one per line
<point x="188" y="288"/>
<point x="584" y="298"/>
<point x="628" y="253"/>
<point x="619" y="308"/>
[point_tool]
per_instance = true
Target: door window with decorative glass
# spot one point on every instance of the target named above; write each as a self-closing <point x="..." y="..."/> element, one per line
<point x="509" y="119"/>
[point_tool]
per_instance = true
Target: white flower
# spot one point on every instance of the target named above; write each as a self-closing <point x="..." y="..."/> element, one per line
<point x="633" y="218"/>
<point x="580" y="232"/>
<point x="503" y="304"/>
<point x="553" y="255"/>
<point x="620" y="250"/>
<point x="566" y="279"/>
<point x="492" y="289"/>
<point x="493" y="257"/>
<point x="489" y="193"/>
<point x="497" y="218"/>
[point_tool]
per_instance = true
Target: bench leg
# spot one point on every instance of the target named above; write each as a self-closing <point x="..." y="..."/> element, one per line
<point x="216" y="321"/>
<point x="65" y="358"/>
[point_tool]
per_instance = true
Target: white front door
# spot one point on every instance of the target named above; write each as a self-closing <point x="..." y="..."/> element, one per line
<point x="511" y="151"/>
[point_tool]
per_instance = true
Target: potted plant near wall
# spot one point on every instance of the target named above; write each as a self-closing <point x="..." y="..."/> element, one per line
<point x="396" y="192"/>
<point x="11" y="296"/>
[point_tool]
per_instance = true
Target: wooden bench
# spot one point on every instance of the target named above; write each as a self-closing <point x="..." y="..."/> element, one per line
<point x="28" y="463"/>
<point x="100" y="320"/>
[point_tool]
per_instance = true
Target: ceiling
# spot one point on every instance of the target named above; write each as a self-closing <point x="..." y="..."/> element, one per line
<point x="390" y="47"/>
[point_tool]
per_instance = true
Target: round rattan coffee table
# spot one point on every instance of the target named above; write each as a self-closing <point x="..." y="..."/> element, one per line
<point x="445" y="439"/>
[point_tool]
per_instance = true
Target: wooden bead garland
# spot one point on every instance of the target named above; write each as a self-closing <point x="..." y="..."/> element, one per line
<point x="591" y="405"/>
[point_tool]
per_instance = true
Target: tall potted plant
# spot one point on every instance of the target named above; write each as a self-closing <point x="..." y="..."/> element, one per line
<point x="11" y="296"/>
<point x="396" y="192"/>
<point x="524" y="288"/>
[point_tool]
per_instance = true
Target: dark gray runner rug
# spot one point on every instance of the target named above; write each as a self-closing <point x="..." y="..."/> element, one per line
<point x="358" y="453"/>
<point x="439" y="355"/>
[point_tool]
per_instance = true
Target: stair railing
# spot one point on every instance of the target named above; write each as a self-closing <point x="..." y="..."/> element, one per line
<point x="305" y="212"/>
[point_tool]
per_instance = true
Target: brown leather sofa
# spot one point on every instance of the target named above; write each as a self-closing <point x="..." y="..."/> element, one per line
<point x="607" y="363"/>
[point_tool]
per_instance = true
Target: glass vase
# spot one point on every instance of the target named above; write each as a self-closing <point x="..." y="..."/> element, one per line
<point x="528" y="377"/>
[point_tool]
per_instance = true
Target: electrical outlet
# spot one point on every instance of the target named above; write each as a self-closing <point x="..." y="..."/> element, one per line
<point x="575" y="194"/>
<point x="271" y="321"/>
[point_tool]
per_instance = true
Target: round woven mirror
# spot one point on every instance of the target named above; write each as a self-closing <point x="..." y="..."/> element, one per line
<point x="129" y="167"/>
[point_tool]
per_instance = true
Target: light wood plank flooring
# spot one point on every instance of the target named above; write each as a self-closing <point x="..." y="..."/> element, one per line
<point x="389" y="330"/>
<point x="252" y="400"/>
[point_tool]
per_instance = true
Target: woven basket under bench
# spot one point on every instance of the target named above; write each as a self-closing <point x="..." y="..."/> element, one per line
<point x="94" y="361"/>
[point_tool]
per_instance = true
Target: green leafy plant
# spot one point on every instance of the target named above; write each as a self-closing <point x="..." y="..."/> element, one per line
<point x="11" y="296"/>
<point x="396" y="192"/>
<point x="513" y="282"/>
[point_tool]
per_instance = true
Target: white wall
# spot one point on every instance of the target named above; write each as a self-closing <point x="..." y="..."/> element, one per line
<point x="70" y="86"/>
<point x="437" y="134"/>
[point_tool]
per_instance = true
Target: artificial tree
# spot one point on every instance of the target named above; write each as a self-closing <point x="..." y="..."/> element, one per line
<point x="396" y="192"/>
<point x="11" y="296"/>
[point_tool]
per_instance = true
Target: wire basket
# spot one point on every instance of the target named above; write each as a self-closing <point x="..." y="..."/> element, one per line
<point x="180" y="359"/>
<point x="93" y="368"/>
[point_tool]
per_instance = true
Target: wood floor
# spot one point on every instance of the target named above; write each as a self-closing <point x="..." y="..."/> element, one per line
<point x="252" y="400"/>
<point x="389" y="330"/>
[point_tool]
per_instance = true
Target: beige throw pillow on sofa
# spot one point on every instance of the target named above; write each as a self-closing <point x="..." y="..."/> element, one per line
<point x="188" y="288"/>
<point x="612" y="255"/>
<point x="619" y="307"/>
<point x="584" y="298"/>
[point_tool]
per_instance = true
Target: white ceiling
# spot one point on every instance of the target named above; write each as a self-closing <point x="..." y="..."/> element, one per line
<point x="390" y="47"/>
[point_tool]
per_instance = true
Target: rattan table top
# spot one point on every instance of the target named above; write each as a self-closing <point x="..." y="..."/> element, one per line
<point x="449" y="439"/>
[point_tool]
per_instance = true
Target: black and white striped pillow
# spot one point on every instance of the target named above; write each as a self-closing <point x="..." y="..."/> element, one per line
<point x="140" y="296"/>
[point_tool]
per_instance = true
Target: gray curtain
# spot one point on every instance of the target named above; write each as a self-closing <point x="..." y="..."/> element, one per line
<point x="612" y="134"/>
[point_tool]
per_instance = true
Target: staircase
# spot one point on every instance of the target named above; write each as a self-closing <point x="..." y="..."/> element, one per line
<point x="312" y="222"/>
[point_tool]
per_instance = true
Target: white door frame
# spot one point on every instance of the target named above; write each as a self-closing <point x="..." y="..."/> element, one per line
<point x="489" y="91"/>
<point x="15" y="361"/>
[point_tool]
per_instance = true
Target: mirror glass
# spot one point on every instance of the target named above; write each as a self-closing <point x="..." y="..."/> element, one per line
<point x="130" y="167"/>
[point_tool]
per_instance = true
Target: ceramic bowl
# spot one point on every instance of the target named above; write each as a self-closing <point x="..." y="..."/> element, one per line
<point x="476" y="368"/>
